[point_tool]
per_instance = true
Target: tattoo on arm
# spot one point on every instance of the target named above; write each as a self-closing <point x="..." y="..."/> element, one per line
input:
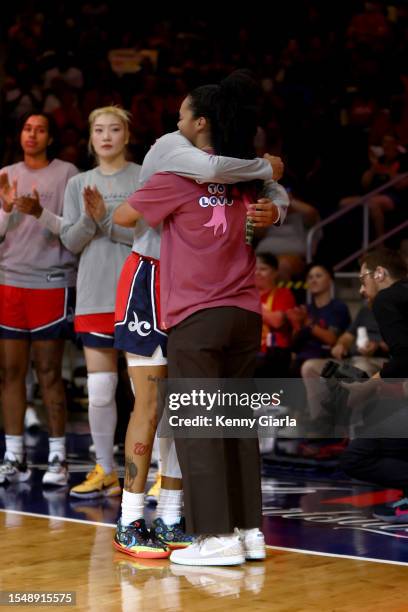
<point x="140" y="448"/>
<point x="130" y="472"/>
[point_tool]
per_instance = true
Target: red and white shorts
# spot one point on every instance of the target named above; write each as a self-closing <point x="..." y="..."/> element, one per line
<point x="137" y="314"/>
<point x="96" y="330"/>
<point x="36" y="314"/>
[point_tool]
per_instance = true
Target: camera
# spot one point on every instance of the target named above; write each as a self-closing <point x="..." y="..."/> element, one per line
<point x="342" y="371"/>
<point x="335" y="418"/>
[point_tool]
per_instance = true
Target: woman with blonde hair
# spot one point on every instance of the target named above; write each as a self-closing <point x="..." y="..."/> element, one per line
<point x="103" y="247"/>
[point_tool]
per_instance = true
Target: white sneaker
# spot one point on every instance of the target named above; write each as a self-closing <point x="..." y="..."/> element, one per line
<point x="57" y="473"/>
<point x="12" y="471"/>
<point x="211" y="550"/>
<point x="253" y="542"/>
<point x="31" y="420"/>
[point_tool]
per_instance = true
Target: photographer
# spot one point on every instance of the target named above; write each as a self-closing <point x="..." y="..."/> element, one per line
<point x="384" y="461"/>
<point x="351" y="348"/>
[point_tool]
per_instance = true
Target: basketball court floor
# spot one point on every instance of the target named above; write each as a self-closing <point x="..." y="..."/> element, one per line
<point x="325" y="551"/>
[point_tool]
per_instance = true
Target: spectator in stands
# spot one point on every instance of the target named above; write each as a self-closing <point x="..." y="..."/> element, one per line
<point x="317" y="325"/>
<point x="387" y="162"/>
<point x="274" y="359"/>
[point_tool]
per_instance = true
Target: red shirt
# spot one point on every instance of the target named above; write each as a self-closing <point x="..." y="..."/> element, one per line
<point x="205" y="262"/>
<point x="279" y="299"/>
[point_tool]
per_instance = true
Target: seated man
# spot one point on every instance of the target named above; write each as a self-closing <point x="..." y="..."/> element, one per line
<point x="369" y="357"/>
<point x="384" y="461"/>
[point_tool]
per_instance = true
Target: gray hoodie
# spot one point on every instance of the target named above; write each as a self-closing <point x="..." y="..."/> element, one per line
<point x="104" y="246"/>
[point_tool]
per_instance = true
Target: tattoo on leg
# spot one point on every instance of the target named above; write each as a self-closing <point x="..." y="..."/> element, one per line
<point x="140" y="448"/>
<point x="130" y="472"/>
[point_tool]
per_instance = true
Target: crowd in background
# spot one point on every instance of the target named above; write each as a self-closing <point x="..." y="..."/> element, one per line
<point x="334" y="79"/>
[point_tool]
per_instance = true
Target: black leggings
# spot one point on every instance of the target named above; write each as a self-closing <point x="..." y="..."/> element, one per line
<point x="383" y="462"/>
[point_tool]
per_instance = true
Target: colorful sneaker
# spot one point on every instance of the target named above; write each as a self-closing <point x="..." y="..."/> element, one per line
<point x="12" y="470"/>
<point x="152" y="496"/>
<point x="396" y="512"/>
<point x="56" y="474"/>
<point x="136" y="540"/>
<point x="174" y="536"/>
<point x="253" y="542"/>
<point x="211" y="550"/>
<point x="97" y="484"/>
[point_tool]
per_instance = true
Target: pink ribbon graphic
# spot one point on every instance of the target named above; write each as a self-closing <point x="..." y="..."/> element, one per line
<point x="218" y="220"/>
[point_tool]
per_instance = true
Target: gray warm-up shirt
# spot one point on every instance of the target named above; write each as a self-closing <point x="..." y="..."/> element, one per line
<point x="103" y="246"/>
<point x="30" y="254"/>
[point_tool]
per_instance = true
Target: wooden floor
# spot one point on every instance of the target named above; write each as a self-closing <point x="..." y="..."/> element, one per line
<point x="42" y="554"/>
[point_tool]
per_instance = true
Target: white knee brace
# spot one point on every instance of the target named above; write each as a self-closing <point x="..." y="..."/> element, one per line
<point x="102" y="388"/>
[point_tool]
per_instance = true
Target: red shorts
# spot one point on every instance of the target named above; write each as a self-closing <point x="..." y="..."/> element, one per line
<point x="96" y="330"/>
<point x="102" y="322"/>
<point x="37" y="314"/>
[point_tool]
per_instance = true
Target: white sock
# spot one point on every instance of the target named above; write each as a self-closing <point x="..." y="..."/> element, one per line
<point x="57" y="447"/>
<point x="14" y="448"/>
<point x="103" y="416"/>
<point x="169" y="506"/>
<point x="132" y="507"/>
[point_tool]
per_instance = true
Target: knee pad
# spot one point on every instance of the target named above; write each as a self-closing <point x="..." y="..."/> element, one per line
<point x="102" y="388"/>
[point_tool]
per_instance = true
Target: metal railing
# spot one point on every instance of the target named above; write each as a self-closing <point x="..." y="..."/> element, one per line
<point x="366" y="244"/>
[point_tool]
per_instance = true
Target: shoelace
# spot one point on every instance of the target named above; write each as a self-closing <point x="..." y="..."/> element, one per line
<point x="202" y="539"/>
<point x="91" y="474"/>
<point x="7" y="467"/>
<point x="147" y="535"/>
<point x="55" y="465"/>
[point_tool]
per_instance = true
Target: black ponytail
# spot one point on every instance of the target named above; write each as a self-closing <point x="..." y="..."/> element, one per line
<point x="231" y="109"/>
<point x="236" y="120"/>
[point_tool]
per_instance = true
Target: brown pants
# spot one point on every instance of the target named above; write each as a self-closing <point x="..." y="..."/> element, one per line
<point x="221" y="476"/>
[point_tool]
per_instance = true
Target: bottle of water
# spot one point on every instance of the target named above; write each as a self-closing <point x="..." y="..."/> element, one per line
<point x="362" y="338"/>
<point x="249" y="231"/>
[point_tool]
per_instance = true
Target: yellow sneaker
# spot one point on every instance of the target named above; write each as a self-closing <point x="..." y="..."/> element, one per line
<point x="97" y="484"/>
<point x="152" y="496"/>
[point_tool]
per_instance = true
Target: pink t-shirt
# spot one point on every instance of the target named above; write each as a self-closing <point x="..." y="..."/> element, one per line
<point x="204" y="259"/>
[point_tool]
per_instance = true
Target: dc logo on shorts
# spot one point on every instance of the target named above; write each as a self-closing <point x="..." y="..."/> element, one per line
<point x="143" y="328"/>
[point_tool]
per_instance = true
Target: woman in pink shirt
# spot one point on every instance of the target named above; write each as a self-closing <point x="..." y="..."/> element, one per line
<point x="210" y="305"/>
